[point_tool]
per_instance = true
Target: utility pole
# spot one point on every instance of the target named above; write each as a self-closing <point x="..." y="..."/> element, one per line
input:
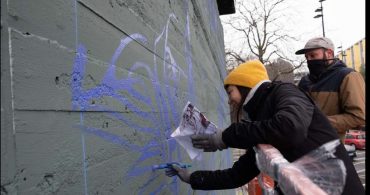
<point x="321" y="10"/>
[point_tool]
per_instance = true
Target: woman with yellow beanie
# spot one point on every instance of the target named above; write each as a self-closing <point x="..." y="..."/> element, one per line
<point x="268" y="112"/>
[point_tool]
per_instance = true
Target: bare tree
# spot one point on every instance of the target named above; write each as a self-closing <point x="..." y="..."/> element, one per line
<point x="262" y="25"/>
<point x="258" y="21"/>
<point x="234" y="58"/>
<point x="280" y="69"/>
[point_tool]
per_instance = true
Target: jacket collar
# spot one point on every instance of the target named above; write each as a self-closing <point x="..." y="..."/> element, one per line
<point x="253" y="91"/>
<point x="257" y="96"/>
<point x="338" y="64"/>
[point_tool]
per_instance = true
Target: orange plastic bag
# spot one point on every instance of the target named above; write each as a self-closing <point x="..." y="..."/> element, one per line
<point x="254" y="187"/>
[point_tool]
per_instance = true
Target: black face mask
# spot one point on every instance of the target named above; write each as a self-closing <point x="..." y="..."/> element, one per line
<point x="316" y="67"/>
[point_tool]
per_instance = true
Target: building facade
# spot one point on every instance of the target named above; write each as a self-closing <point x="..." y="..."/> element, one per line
<point x="354" y="56"/>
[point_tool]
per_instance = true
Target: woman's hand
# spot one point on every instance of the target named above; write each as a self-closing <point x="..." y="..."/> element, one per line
<point x="183" y="174"/>
<point x="208" y="142"/>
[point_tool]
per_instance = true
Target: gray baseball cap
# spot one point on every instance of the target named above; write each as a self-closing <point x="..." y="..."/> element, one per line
<point x="317" y="42"/>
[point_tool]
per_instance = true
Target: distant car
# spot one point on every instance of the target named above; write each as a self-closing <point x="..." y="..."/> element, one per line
<point x="355" y="138"/>
<point x="351" y="150"/>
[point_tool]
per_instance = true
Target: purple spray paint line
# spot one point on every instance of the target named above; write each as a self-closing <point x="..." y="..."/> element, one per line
<point x="169" y="165"/>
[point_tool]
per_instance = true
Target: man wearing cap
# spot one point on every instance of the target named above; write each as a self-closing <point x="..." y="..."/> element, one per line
<point x="338" y="90"/>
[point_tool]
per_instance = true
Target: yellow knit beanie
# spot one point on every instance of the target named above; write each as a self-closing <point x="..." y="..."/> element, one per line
<point x="247" y="74"/>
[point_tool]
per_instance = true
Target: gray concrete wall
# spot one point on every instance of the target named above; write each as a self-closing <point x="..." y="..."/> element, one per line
<point x="92" y="89"/>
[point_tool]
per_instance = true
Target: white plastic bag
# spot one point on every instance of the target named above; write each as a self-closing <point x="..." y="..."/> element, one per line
<point x="319" y="167"/>
<point x="192" y="122"/>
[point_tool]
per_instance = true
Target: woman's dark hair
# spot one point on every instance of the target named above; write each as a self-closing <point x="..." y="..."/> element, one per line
<point x="243" y="92"/>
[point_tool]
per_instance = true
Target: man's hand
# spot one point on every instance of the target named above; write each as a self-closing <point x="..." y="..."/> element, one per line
<point x="208" y="142"/>
<point x="183" y="174"/>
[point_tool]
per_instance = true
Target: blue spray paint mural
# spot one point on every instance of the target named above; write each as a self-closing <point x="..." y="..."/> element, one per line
<point x="165" y="86"/>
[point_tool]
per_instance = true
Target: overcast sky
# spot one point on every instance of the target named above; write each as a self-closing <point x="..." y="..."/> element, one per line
<point x="344" y="22"/>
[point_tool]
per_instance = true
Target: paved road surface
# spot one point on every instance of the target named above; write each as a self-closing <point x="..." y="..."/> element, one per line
<point x="359" y="163"/>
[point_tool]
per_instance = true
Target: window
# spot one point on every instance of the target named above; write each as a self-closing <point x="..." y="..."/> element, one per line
<point x="349" y="136"/>
<point x="361" y="136"/>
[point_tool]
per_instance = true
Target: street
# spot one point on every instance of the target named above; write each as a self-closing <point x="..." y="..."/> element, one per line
<point x="359" y="163"/>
